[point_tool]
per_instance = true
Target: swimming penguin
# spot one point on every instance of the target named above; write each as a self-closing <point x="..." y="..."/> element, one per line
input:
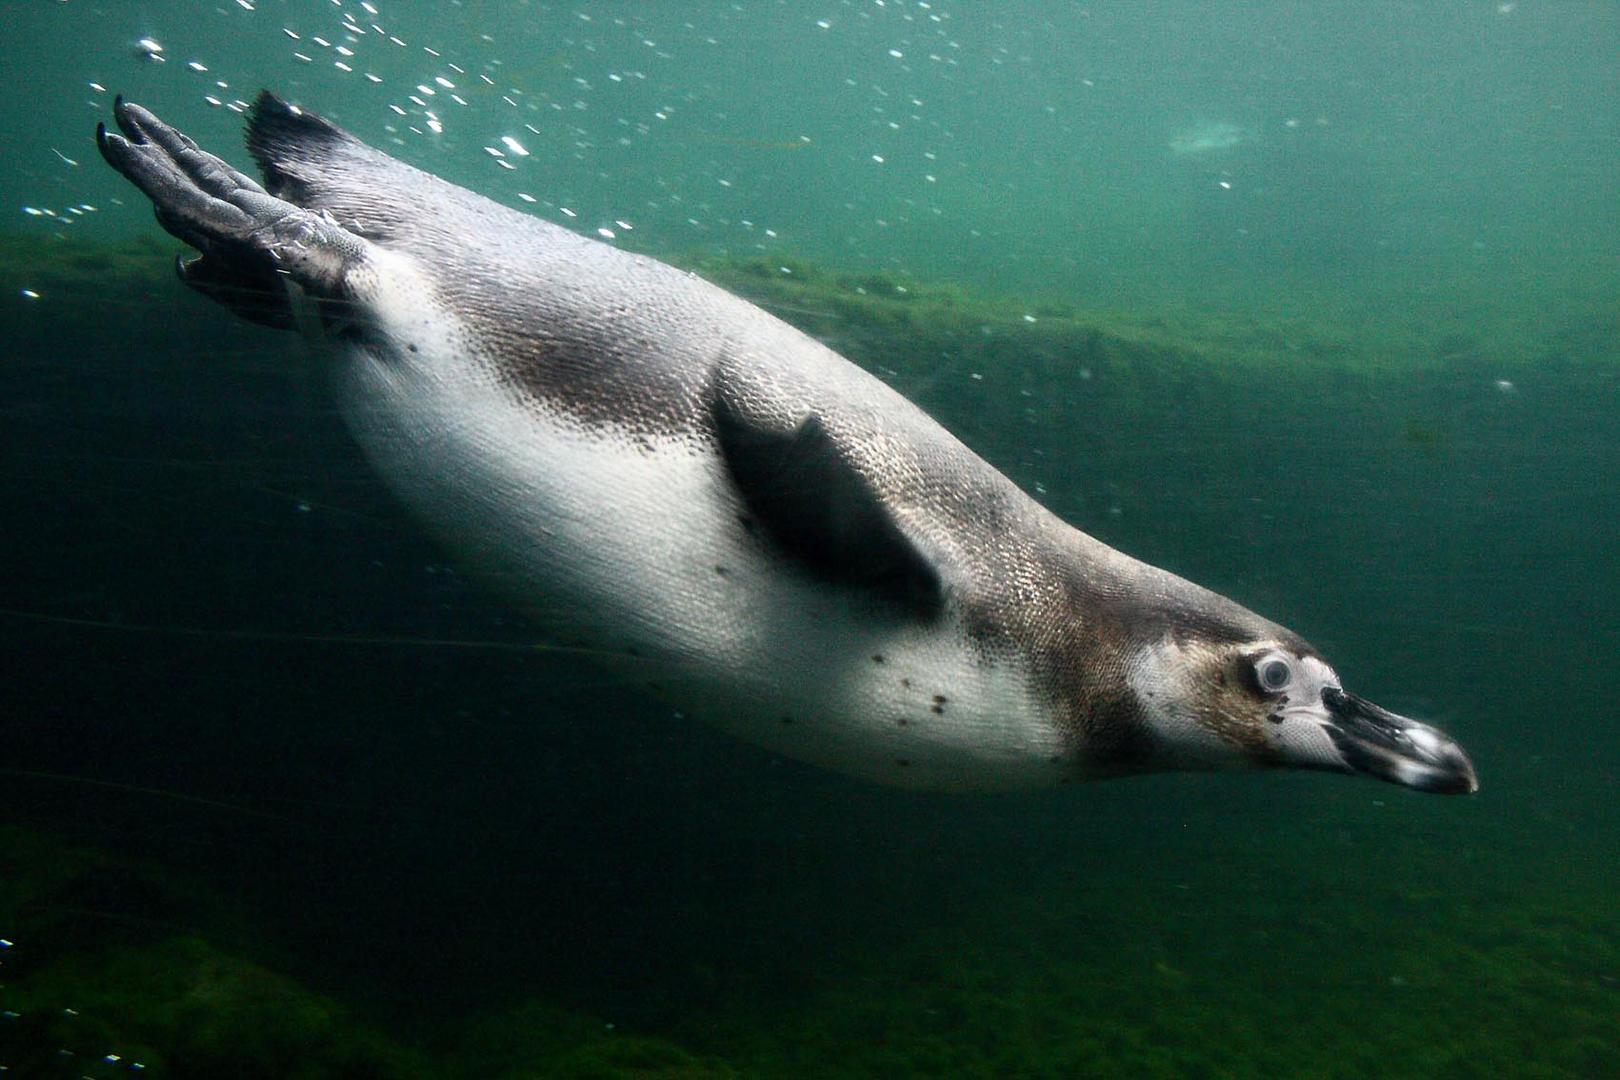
<point x="727" y="510"/>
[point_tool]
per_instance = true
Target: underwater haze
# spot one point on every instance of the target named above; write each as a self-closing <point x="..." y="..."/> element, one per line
<point x="1316" y="304"/>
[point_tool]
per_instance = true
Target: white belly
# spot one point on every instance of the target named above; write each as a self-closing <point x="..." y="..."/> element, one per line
<point x="632" y="548"/>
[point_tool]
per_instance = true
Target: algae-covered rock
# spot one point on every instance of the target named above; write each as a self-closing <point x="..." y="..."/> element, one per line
<point x="105" y="993"/>
<point x="33" y="866"/>
<point x="102" y="978"/>
<point x="535" y="1041"/>
<point x="884" y="321"/>
<point x="182" y="1008"/>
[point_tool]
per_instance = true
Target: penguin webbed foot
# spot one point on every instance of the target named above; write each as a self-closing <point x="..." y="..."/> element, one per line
<point x="252" y="294"/>
<point x="248" y="238"/>
<point x="196" y="196"/>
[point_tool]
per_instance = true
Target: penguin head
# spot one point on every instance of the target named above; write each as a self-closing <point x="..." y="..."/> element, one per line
<point x="1274" y="702"/>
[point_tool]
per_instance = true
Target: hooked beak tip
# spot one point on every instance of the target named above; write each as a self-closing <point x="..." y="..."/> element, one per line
<point x="1454" y="776"/>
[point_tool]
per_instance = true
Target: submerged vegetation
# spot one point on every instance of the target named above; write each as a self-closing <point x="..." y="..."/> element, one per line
<point x="133" y="995"/>
<point x="882" y="320"/>
<point x="1057" y="983"/>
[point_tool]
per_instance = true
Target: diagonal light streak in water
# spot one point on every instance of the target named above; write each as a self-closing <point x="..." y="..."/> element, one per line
<point x="317" y="639"/>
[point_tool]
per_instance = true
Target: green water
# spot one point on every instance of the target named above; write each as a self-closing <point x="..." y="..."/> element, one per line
<point x="283" y="795"/>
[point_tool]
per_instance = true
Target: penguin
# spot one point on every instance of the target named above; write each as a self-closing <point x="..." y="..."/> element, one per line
<point x="727" y="511"/>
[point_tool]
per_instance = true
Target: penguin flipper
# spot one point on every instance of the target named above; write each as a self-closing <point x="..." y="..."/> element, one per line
<point x="821" y="511"/>
<point x="249" y="239"/>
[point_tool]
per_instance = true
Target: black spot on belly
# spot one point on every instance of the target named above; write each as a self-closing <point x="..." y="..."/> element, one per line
<point x="939" y="704"/>
<point x="412" y="347"/>
<point x="938" y="710"/>
<point x="722" y="571"/>
<point x="877" y="658"/>
<point x="1275" y="718"/>
<point x="906" y="683"/>
<point x="904" y="763"/>
<point x="903" y="722"/>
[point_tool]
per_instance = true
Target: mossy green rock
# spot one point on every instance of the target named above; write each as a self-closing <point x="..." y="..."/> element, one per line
<point x="183" y="1008"/>
<point x="536" y="1041"/>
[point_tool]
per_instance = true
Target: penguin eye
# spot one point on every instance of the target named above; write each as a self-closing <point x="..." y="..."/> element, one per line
<point x="1274" y="673"/>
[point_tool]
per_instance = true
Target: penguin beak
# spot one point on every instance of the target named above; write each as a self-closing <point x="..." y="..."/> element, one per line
<point x="1379" y="743"/>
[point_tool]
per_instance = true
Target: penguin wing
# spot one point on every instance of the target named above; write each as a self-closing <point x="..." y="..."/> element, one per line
<point x="818" y="508"/>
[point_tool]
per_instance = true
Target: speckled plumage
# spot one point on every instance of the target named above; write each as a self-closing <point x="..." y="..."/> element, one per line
<point x="730" y="511"/>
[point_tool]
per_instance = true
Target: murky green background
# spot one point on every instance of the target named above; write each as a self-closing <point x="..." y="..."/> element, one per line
<point x="1316" y="304"/>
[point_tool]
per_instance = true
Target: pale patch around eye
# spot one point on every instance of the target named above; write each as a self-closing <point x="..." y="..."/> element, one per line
<point x="1274" y="671"/>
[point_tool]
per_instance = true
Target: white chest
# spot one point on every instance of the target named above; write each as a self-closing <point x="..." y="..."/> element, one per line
<point x="632" y="547"/>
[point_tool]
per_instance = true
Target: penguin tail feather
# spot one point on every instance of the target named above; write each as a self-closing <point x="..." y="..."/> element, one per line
<point x="291" y="144"/>
<point x="312" y="163"/>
